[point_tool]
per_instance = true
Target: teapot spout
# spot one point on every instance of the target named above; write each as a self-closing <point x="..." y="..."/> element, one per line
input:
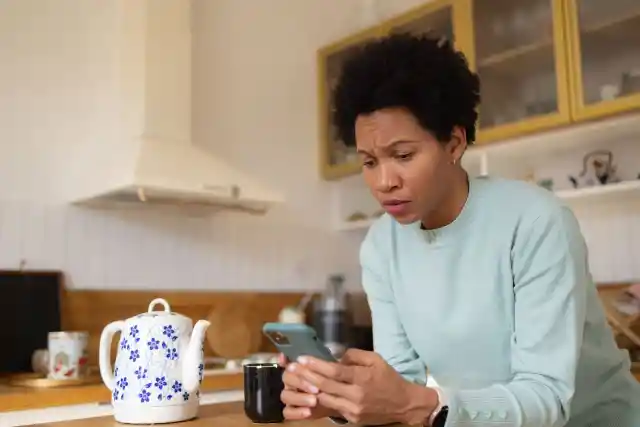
<point x="193" y="363"/>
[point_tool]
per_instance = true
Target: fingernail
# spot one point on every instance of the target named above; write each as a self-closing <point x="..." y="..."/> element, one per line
<point x="303" y="360"/>
<point x="311" y="401"/>
<point x="312" y="388"/>
<point x="306" y="412"/>
<point x="291" y="367"/>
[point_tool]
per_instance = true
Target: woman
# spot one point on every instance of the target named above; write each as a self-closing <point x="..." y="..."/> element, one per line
<point x="485" y="281"/>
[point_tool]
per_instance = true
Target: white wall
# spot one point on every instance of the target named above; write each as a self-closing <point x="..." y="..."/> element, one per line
<point x="56" y="91"/>
<point x="254" y="104"/>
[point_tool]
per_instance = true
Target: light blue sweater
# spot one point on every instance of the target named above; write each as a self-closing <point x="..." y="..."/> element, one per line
<point x="501" y="308"/>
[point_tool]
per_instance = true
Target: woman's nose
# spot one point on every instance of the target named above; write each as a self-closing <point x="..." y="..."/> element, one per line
<point x="386" y="180"/>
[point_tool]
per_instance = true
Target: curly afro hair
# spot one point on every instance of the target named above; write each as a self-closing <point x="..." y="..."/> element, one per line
<point x="424" y="75"/>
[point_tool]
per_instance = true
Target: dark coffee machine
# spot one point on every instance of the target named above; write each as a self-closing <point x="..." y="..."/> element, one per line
<point x="331" y="318"/>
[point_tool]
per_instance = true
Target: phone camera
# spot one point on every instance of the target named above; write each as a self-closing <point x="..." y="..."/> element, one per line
<point x="278" y="338"/>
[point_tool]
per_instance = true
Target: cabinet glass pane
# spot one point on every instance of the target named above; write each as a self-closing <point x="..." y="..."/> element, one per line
<point x="339" y="153"/>
<point x="437" y="23"/>
<point x="609" y="34"/>
<point x="515" y="60"/>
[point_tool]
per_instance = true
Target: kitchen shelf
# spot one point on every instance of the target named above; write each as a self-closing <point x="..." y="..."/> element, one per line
<point x="539" y="147"/>
<point x="610" y="190"/>
<point x="618" y="189"/>
<point x="552" y="155"/>
<point x="363" y="224"/>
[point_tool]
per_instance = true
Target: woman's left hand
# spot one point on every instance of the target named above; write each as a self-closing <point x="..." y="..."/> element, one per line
<point x="364" y="388"/>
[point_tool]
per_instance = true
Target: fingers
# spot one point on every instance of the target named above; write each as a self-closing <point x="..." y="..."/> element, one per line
<point x="293" y="413"/>
<point x="293" y="381"/>
<point x="282" y="360"/>
<point x="298" y="404"/>
<point x="332" y="370"/>
<point x="324" y="384"/>
<point x="298" y="399"/>
<point x="339" y="404"/>
<point x="355" y="356"/>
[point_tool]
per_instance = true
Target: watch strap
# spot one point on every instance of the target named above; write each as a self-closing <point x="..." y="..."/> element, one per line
<point x="438" y="416"/>
<point x="441" y="417"/>
<point x="339" y="420"/>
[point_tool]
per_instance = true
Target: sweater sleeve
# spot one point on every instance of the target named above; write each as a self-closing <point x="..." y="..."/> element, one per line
<point x="550" y="272"/>
<point x="389" y="338"/>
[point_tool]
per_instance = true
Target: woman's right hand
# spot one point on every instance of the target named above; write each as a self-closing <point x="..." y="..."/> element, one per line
<point x="300" y="398"/>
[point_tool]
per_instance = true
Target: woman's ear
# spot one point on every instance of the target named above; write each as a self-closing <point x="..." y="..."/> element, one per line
<point x="457" y="145"/>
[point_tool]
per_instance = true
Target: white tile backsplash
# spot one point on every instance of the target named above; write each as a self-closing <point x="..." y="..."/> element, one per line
<point x="146" y="250"/>
<point x="612" y="231"/>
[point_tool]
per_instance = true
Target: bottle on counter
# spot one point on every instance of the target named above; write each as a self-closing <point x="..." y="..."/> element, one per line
<point x="332" y="318"/>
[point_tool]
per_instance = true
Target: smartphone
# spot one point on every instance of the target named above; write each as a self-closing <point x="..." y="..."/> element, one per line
<point x="296" y="339"/>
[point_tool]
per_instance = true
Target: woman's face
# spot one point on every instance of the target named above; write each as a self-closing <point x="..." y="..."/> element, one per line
<point x="407" y="170"/>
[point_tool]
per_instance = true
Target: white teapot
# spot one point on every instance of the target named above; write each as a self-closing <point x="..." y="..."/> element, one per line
<point x="158" y="369"/>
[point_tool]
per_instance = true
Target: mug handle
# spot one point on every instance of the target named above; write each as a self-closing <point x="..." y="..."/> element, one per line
<point x="106" y="370"/>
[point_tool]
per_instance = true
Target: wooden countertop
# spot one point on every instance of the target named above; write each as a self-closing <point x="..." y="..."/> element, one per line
<point x="20" y="398"/>
<point x="221" y="414"/>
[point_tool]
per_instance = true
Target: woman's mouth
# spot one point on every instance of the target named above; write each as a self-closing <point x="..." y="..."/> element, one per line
<point x="396" y="207"/>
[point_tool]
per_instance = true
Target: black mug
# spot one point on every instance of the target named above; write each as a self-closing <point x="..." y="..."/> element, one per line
<point x="262" y="389"/>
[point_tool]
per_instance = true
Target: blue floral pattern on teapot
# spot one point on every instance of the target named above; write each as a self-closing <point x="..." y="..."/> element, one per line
<point x="159" y="361"/>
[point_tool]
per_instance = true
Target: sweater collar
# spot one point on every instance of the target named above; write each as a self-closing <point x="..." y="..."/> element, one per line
<point x="453" y="230"/>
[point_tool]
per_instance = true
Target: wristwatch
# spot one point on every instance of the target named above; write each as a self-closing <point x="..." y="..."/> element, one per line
<point x="441" y="417"/>
<point x="438" y="417"/>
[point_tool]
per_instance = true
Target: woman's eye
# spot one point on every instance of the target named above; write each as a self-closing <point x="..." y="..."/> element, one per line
<point x="404" y="156"/>
<point x="368" y="163"/>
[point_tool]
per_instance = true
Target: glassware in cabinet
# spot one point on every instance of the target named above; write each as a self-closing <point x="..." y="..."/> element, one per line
<point x="520" y="57"/>
<point x="605" y="56"/>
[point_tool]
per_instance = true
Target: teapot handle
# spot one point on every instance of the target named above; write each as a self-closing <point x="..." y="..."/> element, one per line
<point x="106" y="370"/>
<point x="161" y="301"/>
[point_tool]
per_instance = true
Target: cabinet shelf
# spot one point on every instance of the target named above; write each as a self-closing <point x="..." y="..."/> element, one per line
<point x="612" y="22"/>
<point x="514" y="53"/>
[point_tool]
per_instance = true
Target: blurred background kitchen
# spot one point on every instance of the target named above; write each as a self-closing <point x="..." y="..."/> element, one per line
<point x="184" y="150"/>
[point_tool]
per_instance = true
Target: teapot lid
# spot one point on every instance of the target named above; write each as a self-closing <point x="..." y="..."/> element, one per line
<point x="156" y="313"/>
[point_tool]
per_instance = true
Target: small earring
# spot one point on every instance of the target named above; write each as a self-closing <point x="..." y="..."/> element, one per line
<point x="453" y="162"/>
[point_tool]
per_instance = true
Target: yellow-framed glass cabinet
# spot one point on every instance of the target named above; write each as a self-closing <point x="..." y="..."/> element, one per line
<point x="520" y="54"/>
<point x="604" y="40"/>
<point x="336" y="159"/>
<point x="445" y="18"/>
